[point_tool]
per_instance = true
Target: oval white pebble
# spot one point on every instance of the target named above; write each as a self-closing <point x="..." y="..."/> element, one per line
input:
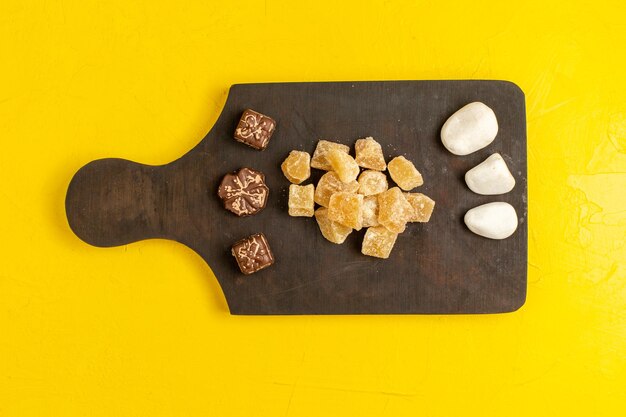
<point x="469" y="129"/>
<point x="490" y="177"/>
<point x="493" y="220"/>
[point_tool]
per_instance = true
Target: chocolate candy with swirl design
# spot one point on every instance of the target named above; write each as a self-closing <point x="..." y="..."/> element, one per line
<point x="255" y="129"/>
<point x="244" y="192"/>
<point x="253" y="253"/>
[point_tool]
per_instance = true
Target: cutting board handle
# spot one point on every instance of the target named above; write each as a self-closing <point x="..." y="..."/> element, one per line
<point x="112" y="202"/>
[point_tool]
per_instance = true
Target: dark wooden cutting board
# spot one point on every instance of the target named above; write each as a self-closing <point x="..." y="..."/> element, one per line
<point x="436" y="267"/>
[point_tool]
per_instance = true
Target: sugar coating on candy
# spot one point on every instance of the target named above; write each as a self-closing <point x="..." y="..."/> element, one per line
<point x="332" y="231"/>
<point x="253" y="253"/>
<point x="490" y="177"/>
<point x="343" y="164"/>
<point x="370" y="211"/>
<point x="369" y="154"/>
<point x="319" y="159"/>
<point x="330" y="184"/>
<point x="372" y="182"/>
<point x="404" y="173"/>
<point x="297" y="166"/>
<point x="350" y="204"/>
<point x="301" y="202"/>
<point x="469" y="129"/>
<point x="423" y="207"/>
<point x="497" y="220"/>
<point x="346" y="209"/>
<point x="378" y="242"/>
<point x="394" y="210"/>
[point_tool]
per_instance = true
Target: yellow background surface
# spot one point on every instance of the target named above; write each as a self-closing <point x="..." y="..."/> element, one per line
<point x="144" y="329"/>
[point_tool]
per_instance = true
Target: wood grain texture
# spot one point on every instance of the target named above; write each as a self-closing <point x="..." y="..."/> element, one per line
<point x="438" y="267"/>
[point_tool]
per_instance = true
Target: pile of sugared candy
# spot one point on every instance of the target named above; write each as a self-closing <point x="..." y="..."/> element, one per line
<point x="351" y="199"/>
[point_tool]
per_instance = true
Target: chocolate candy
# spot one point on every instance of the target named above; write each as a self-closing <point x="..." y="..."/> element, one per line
<point x="253" y="254"/>
<point x="244" y="192"/>
<point x="255" y="129"/>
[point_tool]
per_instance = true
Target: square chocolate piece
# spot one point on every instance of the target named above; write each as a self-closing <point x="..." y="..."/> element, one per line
<point x="253" y="253"/>
<point x="255" y="129"/>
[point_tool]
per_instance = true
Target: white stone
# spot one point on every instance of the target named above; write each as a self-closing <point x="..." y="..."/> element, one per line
<point x="471" y="128"/>
<point x="493" y="220"/>
<point x="490" y="177"/>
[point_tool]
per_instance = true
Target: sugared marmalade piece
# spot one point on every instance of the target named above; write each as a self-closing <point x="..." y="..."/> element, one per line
<point x="404" y="173"/>
<point x="319" y="160"/>
<point x="369" y="154"/>
<point x="370" y="211"/>
<point x="394" y="210"/>
<point x="297" y="166"/>
<point x="346" y="209"/>
<point x="378" y="242"/>
<point x="330" y="184"/>
<point x="423" y="207"/>
<point x="301" y="202"/>
<point x="343" y="164"/>
<point x="372" y="182"/>
<point x="332" y="231"/>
